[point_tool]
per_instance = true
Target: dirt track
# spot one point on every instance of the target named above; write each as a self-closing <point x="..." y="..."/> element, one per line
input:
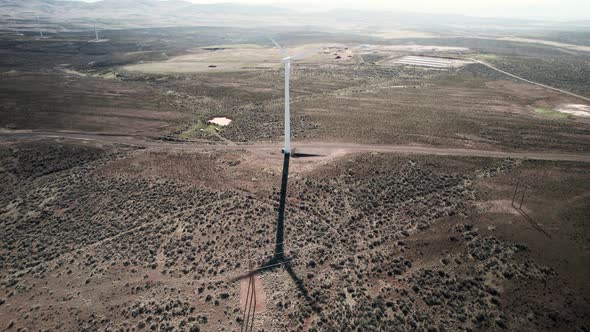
<point x="531" y="82"/>
<point x="312" y="148"/>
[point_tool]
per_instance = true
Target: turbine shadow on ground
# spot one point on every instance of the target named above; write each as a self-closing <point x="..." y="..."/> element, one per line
<point x="532" y="222"/>
<point x="279" y="253"/>
<point x="279" y="259"/>
<point x="522" y="212"/>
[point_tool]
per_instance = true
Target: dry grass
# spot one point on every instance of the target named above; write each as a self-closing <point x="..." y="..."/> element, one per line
<point x="446" y="110"/>
<point x="154" y="239"/>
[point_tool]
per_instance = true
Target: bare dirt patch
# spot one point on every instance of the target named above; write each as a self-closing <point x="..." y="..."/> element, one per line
<point x="503" y="206"/>
<point x="242" y="59"/>
<point x="548" y="42"/>
<point x="234" y="169"/>
<point x="259" y="292"/>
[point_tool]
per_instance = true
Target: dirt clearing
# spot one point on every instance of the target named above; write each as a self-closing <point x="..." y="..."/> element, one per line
<point x="215" y="59"/>
<point x="259" y="291"/>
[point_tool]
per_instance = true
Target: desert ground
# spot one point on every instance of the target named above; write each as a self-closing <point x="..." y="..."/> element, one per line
<point x="431" y="192"/>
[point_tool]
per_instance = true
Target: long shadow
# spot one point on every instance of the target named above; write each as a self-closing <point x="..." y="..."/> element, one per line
<point x="279" y="259"/>
<point x="532" y="222"/>
<point x="523" y="213"/>
<point x="306" y="155"/>
<point x="280" y="237"/>
<point x="301" y="288"/>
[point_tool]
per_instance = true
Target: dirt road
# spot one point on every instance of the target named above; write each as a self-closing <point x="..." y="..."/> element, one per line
<point x="312" y="148"/>
<point x="531" y="82"/>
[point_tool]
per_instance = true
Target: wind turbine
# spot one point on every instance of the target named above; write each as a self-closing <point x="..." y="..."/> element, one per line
<point x="279" y="256"/>
<point x="286" y="60"/>
<point x="40" y="30"/>
<point x="15" y="28"/>
<point x="95" y="32"/>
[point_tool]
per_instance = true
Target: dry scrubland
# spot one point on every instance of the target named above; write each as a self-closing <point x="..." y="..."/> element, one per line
<point x="393" y="105"/>
<point x="475" y="113"/>
<point x="61" y="101"/>
<point x="95" y="236"/>
<point x="104" y="236"/>
<point x="345" y="92"/>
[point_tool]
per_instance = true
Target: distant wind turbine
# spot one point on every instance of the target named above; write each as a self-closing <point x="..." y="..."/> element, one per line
<point x="15" y="28"/>
<point x="40" y="30"/>
<point x="95" y="32"/>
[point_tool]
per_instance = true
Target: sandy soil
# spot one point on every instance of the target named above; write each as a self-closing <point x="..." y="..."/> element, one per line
<point x="222" y="58"/>
<point x="212" y="59"/>
<point x="321" y="148"/>
<point x="260" y="293"/>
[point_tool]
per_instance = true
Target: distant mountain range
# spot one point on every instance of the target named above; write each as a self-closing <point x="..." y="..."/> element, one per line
<point x="72" y="15"/>
<point x="116" y="8"/>
<point x="152" y="13"/>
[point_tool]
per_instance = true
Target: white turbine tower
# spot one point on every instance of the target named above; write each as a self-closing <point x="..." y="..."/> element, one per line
<point x="95" y="33"/>
<point x="279" y="254"/>
<point x="287" y="62"/>
<point x="15" y="28"/>
<point x="40" y="30"/>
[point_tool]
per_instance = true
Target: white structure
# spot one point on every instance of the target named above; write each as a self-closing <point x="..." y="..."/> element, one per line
<point x="96" y="36"/>
<point x="432" y="62"/>
<point x="95" y="32"/>
<point x="425" y="61"/>
<point x="15" y="28"/>
<point x="40" y="30"/>
<point x="287" y="61"/>
<point x="220" y="121"/>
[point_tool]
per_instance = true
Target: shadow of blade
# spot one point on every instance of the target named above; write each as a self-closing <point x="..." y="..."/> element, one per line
<point x="315" y="307"/>
<point x="306" y="155"/>
<point x="278" y="257"/>
<point x="533" y="223"/>
<point x="268" y="266"/>
<point x="301" y="287"/>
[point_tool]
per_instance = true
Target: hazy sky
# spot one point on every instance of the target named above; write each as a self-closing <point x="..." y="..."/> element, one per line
<point x="548" y="9"/>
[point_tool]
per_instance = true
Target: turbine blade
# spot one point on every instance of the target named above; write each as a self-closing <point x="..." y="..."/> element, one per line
<point x="277" y="45"/>
<point x="303" y="54"/>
